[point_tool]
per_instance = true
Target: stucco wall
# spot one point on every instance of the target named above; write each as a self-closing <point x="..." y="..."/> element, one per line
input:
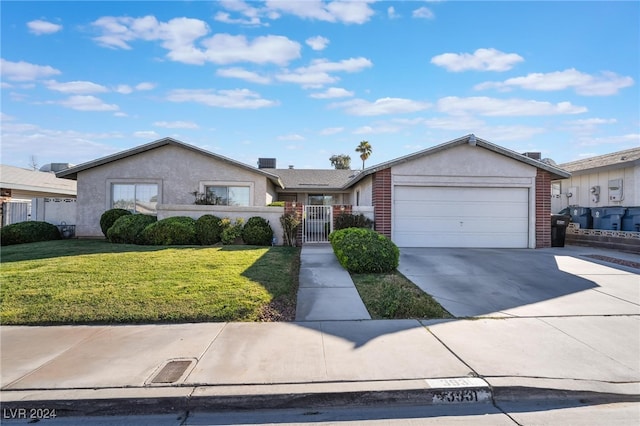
<point x="583" y="182"/>
<point x="365" y="187"/>
<point x="177" y="171"/>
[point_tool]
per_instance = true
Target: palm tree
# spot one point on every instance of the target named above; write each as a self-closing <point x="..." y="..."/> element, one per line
<point x="365" y="150"/>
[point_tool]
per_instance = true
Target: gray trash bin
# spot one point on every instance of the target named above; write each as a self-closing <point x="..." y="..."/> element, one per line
<point x="631" y="219"/>
<point x="581" y="216"/>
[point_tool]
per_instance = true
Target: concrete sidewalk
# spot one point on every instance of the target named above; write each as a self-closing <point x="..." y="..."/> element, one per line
<point x="326" y="291"/>
<point x="92" y="370"/>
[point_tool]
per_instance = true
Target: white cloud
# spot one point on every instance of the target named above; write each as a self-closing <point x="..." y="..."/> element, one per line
<point x="331" y="131"/>
<point x="391" y="13"/>
<point x="332" y="93"/>
<point x="76" y="87"/>
<point x="348" y="12"/>
<point x="226" y="49"/>
<point x="480" y="60"/>
<point x="423" y="12"/>
<point x="291" y="137"/>
<point x="39" y="27"/>
<point x="251" y="15"/>
<point x="176" y="124"/>
<point x="145" y="85"/>
<point x="630" y="139"/>
<point x="607" y="83"/>
<point x="124" y="89"/>
<point x="21" y="140"/>
<point x="593" y="121"/>
<point x="243" y="74"/>
<point x="87" y="103"/>
<point x="381" y="106"/>
<point x="146" y="134"/>
<point x="238" y="98"/>
<point x="24" y="71"/>
<point x="179" y="35"/>
<point x="317" y="73"/>
<point x="317" y="42"/>
<point x="504" y="107"/>
<point x="454" y="123"/>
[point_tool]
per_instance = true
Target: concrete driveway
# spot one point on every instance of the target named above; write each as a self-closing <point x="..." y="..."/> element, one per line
<point x="520" y="283"/>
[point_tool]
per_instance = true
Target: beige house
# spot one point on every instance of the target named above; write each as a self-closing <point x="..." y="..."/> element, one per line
<point x="464" y="193"/>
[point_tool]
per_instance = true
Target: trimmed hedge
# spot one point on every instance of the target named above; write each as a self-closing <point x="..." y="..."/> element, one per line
<point x="28" y="232"/>
<point x="109" y="217"/>
<point x="178" y="230"/>
<point x="361" y="250"/>
<point x="257" y="232"/>
<point x="345" y="220"/>
<point x="128" y="228"/>
<point x="208" y="230"/>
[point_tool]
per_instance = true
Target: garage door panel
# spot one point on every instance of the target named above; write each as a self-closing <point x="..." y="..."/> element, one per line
<point x="460" y="217"/>
<point x="462" y="209"/>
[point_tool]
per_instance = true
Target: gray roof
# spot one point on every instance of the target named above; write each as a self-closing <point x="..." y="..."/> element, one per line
<point x="72" y="172"/>
<point x="315" y="179"/>
<point x="32" y="180"/>
<point x="618" y="159"/>
<point x="471" y="139"/>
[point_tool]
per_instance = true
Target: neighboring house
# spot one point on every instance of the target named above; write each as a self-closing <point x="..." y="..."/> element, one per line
<point x="19" y="187"/>
<point x="464" y="193"/>
<point x="606" y="180"/>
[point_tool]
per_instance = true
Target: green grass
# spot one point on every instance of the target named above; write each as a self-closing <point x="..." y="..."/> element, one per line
<point x="90" y="281"/>
<point x="392" y="296"/>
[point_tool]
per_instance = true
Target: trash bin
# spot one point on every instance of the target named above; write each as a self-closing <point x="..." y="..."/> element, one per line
<point x="631" y="219"/>
<point x="559" y="223"/>
<point x="608" y="218"/>
<point x="581" y="216"/>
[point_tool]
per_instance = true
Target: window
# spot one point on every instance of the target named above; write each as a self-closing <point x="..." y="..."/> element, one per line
<point x="320" y="200"/>
<point x="228" y="195"/>
<point x="135" y="197"/>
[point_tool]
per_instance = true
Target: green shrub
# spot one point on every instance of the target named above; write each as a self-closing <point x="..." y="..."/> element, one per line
<point x="257" y="232"/>
<point x="109" y="217"/>
<point x="276" y="204"/>
<point x="362" y="250"/>
<point x="178" y="230"/>
<point x="128" y="228"/>
<point x="231" y="231"/>
<point x="28" y="232"/>
<point x="208" y="230"/>
<point x="345" y="220"/>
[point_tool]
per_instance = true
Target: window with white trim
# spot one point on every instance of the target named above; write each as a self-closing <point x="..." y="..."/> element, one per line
<point x="135" y="197"/>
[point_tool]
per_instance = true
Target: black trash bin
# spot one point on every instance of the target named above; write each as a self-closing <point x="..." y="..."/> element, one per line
<point x="559" y="223"/>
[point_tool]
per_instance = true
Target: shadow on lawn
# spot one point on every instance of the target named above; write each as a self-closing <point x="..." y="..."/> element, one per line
<point x="65" y="248"/>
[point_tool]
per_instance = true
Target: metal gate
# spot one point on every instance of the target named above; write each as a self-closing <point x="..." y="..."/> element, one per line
<point x="317" y="224"/>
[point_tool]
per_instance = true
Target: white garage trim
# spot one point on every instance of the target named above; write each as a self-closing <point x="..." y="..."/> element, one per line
<point x="433" y="216"/>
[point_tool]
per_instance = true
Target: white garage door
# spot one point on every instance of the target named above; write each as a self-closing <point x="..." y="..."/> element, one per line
<point x="461" y="217"/>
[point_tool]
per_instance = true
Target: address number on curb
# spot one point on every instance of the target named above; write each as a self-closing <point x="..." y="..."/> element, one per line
<point x="460" y="395"/>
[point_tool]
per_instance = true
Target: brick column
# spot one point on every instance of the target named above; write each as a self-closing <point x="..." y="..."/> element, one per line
<point x="382" y="201"/>
<point x="543" y="209"/>
<point x="339" y="209"/>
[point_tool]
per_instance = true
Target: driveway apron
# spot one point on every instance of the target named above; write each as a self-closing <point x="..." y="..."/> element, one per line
<point x="524" y="282"/>
<point x="326" y="290"/>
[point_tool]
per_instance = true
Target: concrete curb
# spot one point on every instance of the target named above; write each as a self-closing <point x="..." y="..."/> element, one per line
<point x="165" y="400"/>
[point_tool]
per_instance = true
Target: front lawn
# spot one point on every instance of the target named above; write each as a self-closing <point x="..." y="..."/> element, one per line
<point x="89" y="281"/>
<point x="393" y="296"/>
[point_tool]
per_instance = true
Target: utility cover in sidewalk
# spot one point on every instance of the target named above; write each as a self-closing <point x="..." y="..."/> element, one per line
<point x="171" y="372"/>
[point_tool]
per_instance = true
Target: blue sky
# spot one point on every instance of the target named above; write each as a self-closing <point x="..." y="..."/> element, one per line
<point x="303" y="80"/>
